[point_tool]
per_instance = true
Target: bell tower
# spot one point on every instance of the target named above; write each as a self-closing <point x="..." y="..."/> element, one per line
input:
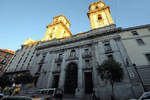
<point x="99" y="15"/>
<point x="59" y="28"/>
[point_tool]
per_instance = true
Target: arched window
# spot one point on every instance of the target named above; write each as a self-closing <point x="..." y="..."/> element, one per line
<point x="99" y="17"/>
<point x="96" y="7"/>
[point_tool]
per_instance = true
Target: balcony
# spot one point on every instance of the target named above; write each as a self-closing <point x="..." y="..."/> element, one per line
<point x="58" y="60"/>
<point x="74" y="57"/>
<point x="87" y="68"/>
<point x="87" y="55"/>
<point x="108" y="51"/>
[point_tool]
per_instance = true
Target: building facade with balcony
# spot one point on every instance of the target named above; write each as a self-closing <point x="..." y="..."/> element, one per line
<point x="70" y="62"/>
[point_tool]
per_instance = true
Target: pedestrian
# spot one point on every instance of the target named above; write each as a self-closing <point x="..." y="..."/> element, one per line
<point x="93" y="95"/>
<point x="60" y="94"/>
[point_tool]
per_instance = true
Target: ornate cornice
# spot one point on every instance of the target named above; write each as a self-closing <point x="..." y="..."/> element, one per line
<point x="87" y="35"/>
<point x="136" y="27"/>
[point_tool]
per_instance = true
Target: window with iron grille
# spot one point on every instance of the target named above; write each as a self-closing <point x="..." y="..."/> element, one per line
<point x="148" y="56"/>
<point x="60" y="56"/>
<point x="87" y="62"/>
<point x="134" y="33"/>
<point x="110" y="57"/>
<point x="86" y="51"/>
<point x="140" y="41"/>
<point x="107" y="46"/>
<point x="72" y="53"/>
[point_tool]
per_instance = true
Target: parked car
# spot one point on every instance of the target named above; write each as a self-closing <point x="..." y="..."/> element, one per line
<point x="47" y="91"/>
<point x="144" y="96"/>
<point x="16" y="98"/>
<point x="1" y="95"/>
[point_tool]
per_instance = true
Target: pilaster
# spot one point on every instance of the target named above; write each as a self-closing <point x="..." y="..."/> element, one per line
<point x="80" y="89"/>
<point x="63" y="72"/>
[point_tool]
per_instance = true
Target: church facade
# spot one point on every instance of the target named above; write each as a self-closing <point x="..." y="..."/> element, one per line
<point x="70" y="62"/>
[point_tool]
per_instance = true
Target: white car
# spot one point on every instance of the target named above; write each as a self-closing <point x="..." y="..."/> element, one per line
<point x="144" y="96"/>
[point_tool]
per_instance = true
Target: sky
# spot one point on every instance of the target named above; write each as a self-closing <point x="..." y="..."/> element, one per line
<point x="23" y="19"/>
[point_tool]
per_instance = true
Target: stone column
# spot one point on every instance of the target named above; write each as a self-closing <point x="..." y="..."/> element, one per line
<point x="95" y="61"/>
<point x="80" y="89"/>
<point x="95" y="77"/>
<point x="99" y="58"/>
<point x="63" y="72"/>
<point x="94" y="65"/>
<point x="49" y="82"/>
<point x="50" y="68"/>
<point x="62" y="79"/>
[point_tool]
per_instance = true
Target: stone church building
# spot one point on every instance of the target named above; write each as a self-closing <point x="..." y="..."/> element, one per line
<point x="70" y="62"/>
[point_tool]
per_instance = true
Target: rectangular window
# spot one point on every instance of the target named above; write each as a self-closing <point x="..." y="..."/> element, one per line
<point x="107" y="46"/>
<point x="58" y="65"/>
<point x="72" y="53"/>
<point x="4" y="61"/>
<point x="60" y="56"/>
<point x="86" y="51"/>
<point x="134" y="33"/>
<point x="25" y="60"/>
<point x="99" y="17"/>
<point x="110" y="57"/>
<point x="148" y="56"/>
<point x="87" y="62"/>
<point x="140" y="41"/>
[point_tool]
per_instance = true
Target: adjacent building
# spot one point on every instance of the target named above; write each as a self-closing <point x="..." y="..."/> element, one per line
<point x="136" y="41"/>
<point x="70" y="62"/>
<point x="5" y="56"/>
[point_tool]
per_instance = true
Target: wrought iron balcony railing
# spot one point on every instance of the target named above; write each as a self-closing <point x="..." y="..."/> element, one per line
<point x="74" y="57"/>
<point x="58" y="60"/>
<point x="87" y="55"/>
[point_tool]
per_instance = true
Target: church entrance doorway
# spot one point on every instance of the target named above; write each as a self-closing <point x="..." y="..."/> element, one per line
<point x="88" y="82"/>
<point x="71" y="79"/>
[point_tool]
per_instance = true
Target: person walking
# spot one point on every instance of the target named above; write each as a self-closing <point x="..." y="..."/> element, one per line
<point x="93" y="95"/>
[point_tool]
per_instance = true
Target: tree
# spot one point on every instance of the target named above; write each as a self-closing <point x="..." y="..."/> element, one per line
<point x="111" y="71"/>
<point x="24" y="78"/>
<point x="5" y="81"/>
